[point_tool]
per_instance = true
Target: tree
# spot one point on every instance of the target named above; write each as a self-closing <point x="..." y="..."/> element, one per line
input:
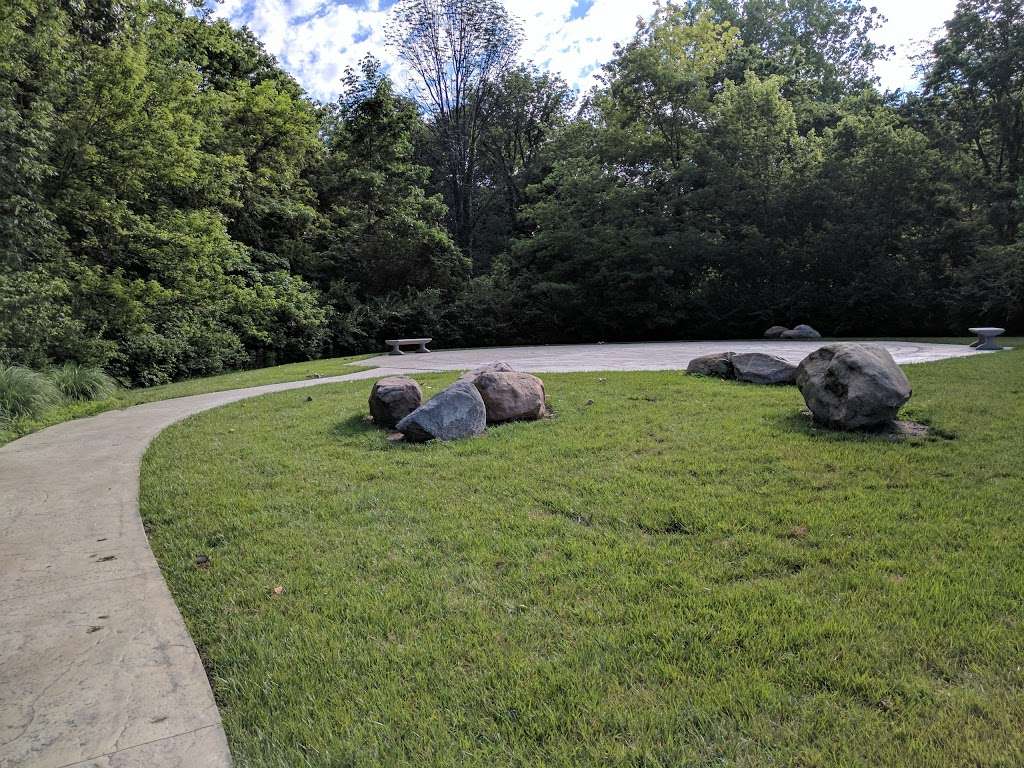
<point x="615" y="245"/>
<point x="118" y="148"/>
<point x="528" y="109"/>
<point x="823" y="49"/>
<point x="456" y="50"/>
<point x="383" y="241"/>
<point x="659" y="86"/>
<point x="974" y="81"/>
<point x="972" y="108"/>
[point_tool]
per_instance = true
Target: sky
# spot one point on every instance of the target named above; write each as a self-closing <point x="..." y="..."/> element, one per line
<point x="315" y="40"/>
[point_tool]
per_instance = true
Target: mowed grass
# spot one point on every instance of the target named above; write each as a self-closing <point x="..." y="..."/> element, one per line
<point x="123" y="398"/>
<point x="682" y="572"/>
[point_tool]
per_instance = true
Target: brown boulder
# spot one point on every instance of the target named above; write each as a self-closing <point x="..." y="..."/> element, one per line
<point x="511" y="396"/>
<point x="497" y="367"/>
<point x="394" y="398"/>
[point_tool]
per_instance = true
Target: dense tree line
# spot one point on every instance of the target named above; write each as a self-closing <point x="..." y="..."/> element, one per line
<point x="172" y="203"/>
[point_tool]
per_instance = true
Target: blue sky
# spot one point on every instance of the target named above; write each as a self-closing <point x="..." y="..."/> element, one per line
<point x="316" y="39"/>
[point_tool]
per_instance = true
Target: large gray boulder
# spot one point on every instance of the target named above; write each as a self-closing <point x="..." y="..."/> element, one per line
<point x="801" y="332"/>
<point x="510" y="396"/>
<point x="452" y="414"/>
<point x="496" y="367"/>
<point x="759" y="368"/>
<point x="775" y="332"/>
<point x="394" y="398"/>
<point x="718" y="364"/>
<point x="852" y="386"/>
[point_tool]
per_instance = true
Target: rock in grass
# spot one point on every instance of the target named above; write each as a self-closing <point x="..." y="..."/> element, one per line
<point x="452" y="414"/>
<point x="775" y="332"/>
<point x="511" y="396"/>
<point x="852" y="386"/>
<point x="718" y="364"/>
<point x="801" y="332"/>
<point x="759" y="368"/>
<point x="496" y="367"/>
<point x="394" y="398"/>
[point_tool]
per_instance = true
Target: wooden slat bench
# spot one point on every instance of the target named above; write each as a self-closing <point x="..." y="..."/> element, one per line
<point x="396" y="345"/>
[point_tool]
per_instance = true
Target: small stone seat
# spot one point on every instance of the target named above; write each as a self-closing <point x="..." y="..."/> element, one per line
<point x="396" y="345"/>
<point x="986" y="337"/>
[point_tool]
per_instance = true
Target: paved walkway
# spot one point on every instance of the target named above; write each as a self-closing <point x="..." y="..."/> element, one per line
<point x="96" y="668"/>
<point x="670" y="355"/>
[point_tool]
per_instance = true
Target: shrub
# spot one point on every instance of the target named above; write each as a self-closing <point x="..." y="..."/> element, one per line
<point x="82" y="382"/>
<point x="24" y="392"/>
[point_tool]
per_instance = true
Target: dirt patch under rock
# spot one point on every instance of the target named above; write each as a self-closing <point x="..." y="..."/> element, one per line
<point x="896" y="430"/>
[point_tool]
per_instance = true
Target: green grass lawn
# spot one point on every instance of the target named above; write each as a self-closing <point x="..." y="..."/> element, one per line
<point x="124" y="398"/>
<point x="682" y="573"/>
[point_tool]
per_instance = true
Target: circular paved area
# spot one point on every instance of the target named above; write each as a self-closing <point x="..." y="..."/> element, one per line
<point x="670" y="355"/>
<point x="96" y="668"/>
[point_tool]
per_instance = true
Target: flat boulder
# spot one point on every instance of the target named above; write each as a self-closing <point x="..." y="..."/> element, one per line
<point x="511" y="396"/>
<point x="801" y="332"/>
<point x="759" y="368"/>
<point x="718" y="364"/>
<point x="452" y="414"/>
<point x="394" y="398"/>
<point x="775" y="332"/>
<point x="496" y="367"/>
<point x="852" y="386"/>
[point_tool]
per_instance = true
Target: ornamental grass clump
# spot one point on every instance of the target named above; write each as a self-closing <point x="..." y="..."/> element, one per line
<point x="82" y="382"/>
<point x="25" y="393"/>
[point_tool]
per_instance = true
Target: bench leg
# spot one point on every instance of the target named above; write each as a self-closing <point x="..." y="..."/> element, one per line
<point x="988" y="343"/>
<point x="395" y="350"/>
<point x="423" y="348"/>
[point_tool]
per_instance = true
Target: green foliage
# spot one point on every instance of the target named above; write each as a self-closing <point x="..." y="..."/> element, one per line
<point x="383" y="254"/>
<point x="173" y="205"/>
<point x="823" y="49"/>
<point x="168" y="201"/>
<point x="82" y="382"/>
<point x="527" y="109"/>
<point x="975" y="81"/>
<point x="24" y="393"/>
<point x="456" y="50"/>
<point x="688" y="205"/>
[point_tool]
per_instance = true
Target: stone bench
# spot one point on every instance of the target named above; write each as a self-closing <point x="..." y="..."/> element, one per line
<point x="396" y="345"/>
<point x="986" y="337"/>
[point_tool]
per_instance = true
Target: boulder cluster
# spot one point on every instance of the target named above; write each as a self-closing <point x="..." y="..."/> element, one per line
<point x="492" y="394"/>
<point x="845" y="386"/>
<point x="752" y="367"/>
<point x="799" y="332"/>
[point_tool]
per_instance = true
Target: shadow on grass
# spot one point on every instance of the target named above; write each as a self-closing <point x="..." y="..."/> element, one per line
<point x="356" y="424"/>
<point x="901" y="432"/>
<point x="373" y="438"/>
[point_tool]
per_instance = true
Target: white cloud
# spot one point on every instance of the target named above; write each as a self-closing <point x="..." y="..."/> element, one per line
<point x="910" y="24"/>
<point x="316" y="39"/>
<point x="576" y="47"/>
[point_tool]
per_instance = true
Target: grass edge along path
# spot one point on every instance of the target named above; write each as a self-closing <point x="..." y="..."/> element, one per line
<point x="125" y="398"/>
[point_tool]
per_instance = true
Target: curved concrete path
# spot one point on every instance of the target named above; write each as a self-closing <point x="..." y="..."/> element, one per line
<point x="96" y="668"/>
